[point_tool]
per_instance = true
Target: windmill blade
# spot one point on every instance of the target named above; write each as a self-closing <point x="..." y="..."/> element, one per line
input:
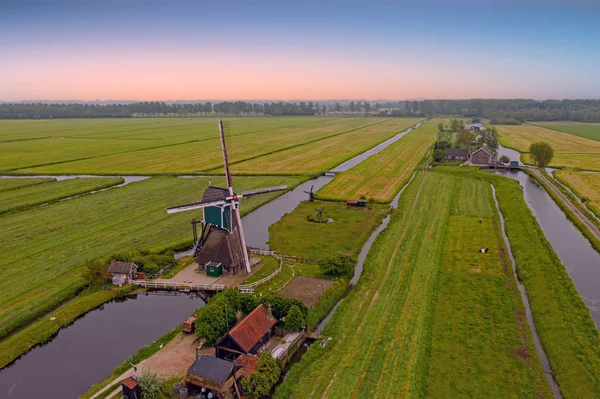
<point x="193" y="206"/>
<point x="311" y="189"/>
<point x="250" y="193"/>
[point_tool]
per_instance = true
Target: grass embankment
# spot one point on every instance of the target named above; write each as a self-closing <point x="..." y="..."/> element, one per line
<point x="14" y="184"/>
<point x="295" y="235"/>
<point x="29" y="196"/>
<point x="569" y="150"/>
<point x="44" y="249"/>
<point x="594" y="241"/>
<point x="270" y="265"/>
<point x="43" y="330"/>
<point x="585" y="185"/>
<point x="383" y="331"/>
<point x="382" y="175"/>
<point x="176" y="146"/>
<point x="142" y="354"/>
<point x="563" y="322"/>
<point x="586" y="130"/>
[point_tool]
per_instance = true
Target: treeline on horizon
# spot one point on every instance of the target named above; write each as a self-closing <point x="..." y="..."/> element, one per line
<point x="511" y="111"/>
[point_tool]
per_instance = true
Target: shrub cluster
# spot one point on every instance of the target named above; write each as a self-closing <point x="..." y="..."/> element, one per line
<point x="261" y="382"/>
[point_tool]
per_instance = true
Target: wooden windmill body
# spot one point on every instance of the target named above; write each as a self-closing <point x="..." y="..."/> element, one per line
<point x="221" y="240"/>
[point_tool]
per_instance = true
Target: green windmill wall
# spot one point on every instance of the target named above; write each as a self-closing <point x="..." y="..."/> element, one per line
<point x="212" y="215"/>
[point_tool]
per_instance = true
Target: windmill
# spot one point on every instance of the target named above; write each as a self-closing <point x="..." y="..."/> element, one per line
<point x="320" y="214"/>
<point x="221" y="240"/>
<point x="311" y="194"/>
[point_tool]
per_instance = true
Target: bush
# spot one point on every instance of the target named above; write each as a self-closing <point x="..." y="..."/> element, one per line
<point x="294" y="320"/>
<point x="439" y="155"/>
<point x="504" y="159"/>
<point x="337" y="265"/>
<point x="260" y="383"/>
<point x="218" y="314"/>
<point x="150" y="385"/>
<point x="281" y="306"/>
<point x="94" y="272"/>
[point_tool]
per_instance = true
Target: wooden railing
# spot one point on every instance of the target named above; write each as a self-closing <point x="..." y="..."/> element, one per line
<point x="178" y="286"/>
<point x="249" y="288"/>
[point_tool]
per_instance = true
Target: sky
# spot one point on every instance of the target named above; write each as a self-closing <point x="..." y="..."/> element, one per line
<point x="186" y="50"/>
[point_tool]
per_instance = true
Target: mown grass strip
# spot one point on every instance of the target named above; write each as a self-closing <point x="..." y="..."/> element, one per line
<point x="17" y="183"/>
<point x="586" y="186"/>
<point x="30" y="196"/>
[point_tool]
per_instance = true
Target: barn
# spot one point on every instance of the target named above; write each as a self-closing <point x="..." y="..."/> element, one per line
<point x="482" y="156"/>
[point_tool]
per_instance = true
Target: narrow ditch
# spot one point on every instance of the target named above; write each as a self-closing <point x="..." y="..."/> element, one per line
<point x="528" y="314"/>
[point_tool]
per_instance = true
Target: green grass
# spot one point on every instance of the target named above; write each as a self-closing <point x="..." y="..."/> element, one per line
<point x="270" y="264"/>
<point x="190" y="145"/>
<point x="13" y="184"/>
<point x="585" y="185"/>
<point x="43" y="250"/>
<point x="44" y="329"/>
<point x="180" y="264"/>
<point x="29" y="196"/>
<point x="294" y="235"/>
<point x="586" y="130"/>
<point x="382" y="175"/>
<point x="383" y="331"/>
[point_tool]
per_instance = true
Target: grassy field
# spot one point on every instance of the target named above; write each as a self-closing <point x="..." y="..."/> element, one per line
<point x="163" y="146"/>
<point x="585" y="185"/>
<point x="384" y="341"/>
<point x="43" y="249"/>
<point x="14" y="184"/>
<point x="569" y="150"/>
<point x="585" y="130"/>
<point x="294" y="235"/>
<point x="382" y="175"/>
<point x="28" y="196"/>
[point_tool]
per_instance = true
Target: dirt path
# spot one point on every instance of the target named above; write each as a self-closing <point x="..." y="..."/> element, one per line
<point x="580" y="215"/>
<point x="171" y="361"/>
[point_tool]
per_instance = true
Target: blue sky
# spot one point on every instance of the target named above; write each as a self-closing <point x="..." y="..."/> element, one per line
<point x="238" y="49"/>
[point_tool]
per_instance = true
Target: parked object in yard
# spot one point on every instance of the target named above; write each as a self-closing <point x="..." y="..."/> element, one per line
<point x="189" y="324"/>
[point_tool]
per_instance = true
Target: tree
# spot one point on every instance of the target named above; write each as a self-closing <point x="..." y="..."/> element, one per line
<point x="260" y="383"/>
<point x="150" y="385"/>
<point x="439" y="155"/>
<point x="338" y="107"/>
<point x="337" y="265"/>
<point x="504" y="159"/>
<point x="440" y="127"/>
<point x="94" y="272"/>
<point x="352" y="106"/>
<point x="465" y="137"/>
<point x="541" y="153"/>
<point x="294" y="319"/>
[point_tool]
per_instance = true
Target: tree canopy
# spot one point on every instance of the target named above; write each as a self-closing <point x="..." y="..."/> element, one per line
<point x="294" y="320"/>
<point x="337" y="265"/>
<point x="541" y="153"/>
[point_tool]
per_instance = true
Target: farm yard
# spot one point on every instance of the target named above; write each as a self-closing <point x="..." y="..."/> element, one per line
<point x="189" y="146"/>
<point x="569" y="150"/>
<point x="381" y="176"/>
<point x="36" y="278"/>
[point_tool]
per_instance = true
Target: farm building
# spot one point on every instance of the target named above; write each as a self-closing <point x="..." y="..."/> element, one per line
<point x="361" y="203"/>
<point x="475" y="127"/>
<point x="248" y="335"/>
<point x="456" y="154"/>
<point x="209" y="374"/>
<point x="482" y="156"/>
<point x="131" y="388"/>
<point x="124" y="271"/>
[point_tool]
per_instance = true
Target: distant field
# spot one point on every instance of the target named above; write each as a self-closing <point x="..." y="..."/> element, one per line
<point x="351" y="227"/>
<point x="569" y="150"/>
<point x="43" y="249"/>
<point x="430" y="317"/>
<point x="586" y="185"/>
<point x="382" y="175"/>
<point x="585" y="130"/>
<point x="188" y="145"/>
<point x="32" y="195"/>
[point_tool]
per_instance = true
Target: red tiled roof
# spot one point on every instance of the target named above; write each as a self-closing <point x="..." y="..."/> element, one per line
<point x="130" y="383"/>
<point x="252" y="328"/>
<point x="249" y="364"/>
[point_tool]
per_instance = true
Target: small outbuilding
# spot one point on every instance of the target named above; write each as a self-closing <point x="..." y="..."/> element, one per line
<point x="456" y="154"/>
<point x="213" y="269"/>
<point x="358" y="203"/>
<point x="131" y="388"/>
<point x="210" y="374"/>
<point x="475" y="127"/>
<point x="123" y="270"/>
<point x="248" y="336"/>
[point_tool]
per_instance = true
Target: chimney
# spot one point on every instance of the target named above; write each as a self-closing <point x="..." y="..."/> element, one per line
<point x="269" y="312"/>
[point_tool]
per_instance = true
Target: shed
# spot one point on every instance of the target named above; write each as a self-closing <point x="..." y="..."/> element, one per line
<point x="247" y="336"/>
<point x="213" y="374"/>
<point x="131" y="388"/>
<point x="213" y="269"/>
<point x="127" y="270"/>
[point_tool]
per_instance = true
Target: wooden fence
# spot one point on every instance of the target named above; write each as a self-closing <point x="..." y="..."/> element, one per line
<point x="154" y="285"/>
<point x="249" y="288"/>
